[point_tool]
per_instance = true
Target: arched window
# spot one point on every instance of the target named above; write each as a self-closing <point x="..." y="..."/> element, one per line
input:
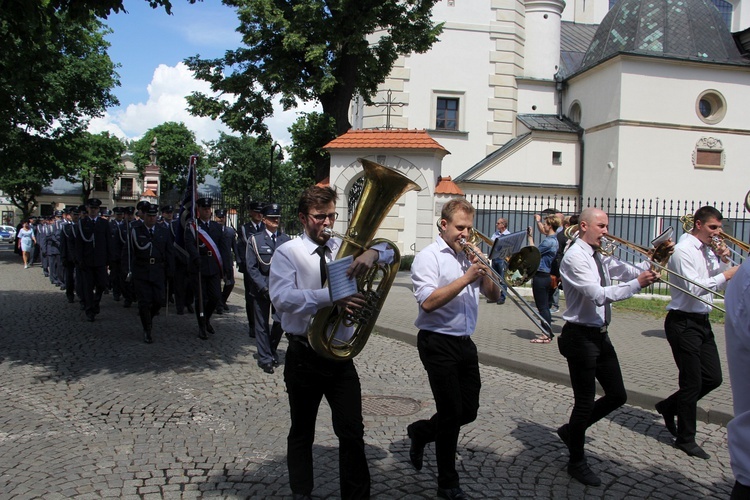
<point x="725" y="9"/>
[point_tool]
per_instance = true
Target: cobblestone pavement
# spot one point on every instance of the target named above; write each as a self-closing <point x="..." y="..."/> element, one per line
<point x="90" y="411"/>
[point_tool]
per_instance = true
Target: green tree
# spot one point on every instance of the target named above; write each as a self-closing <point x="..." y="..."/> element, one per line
<point x="310" y="133"/>
<point x="98" y="156"/>
<point x="175" y="144"/>
<point x="309" y="50"/>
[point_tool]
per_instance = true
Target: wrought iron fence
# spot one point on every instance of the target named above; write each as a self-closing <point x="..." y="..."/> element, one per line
<point x="635" y="220"/>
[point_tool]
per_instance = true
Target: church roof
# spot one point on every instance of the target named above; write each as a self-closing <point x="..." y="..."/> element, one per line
<point x="446" y="186"/>
<point x="384" y="139"/>
<point x="675" y="29"/>
<point x="550" y="123"/>
<point x="575" y="39"/>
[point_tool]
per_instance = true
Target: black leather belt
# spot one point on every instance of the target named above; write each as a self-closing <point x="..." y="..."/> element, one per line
<point x="588" y="329"/>
<point x="693" y="316"/>
<point x="298" y="339"/>
<point x="151" y="260"/>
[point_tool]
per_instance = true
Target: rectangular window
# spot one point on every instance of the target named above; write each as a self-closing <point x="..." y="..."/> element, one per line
<point x="446" y="114"/>
<point x="126" y="187"/>
<point x="100" y="184"/>
<point x="557" y="157"/>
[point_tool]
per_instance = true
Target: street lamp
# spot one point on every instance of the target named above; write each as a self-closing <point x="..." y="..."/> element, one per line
<point x="279" y="156"/>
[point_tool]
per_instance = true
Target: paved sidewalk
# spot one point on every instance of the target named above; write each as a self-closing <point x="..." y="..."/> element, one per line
<point x="90" y="411"/>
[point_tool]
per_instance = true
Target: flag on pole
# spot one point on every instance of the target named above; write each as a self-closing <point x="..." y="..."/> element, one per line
<point x="187" y="213"/>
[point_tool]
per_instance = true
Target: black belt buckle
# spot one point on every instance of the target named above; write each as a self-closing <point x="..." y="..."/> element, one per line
<point x="209" y="253"/>
<point x="603" y="329"/>
<point x="152" y="260"/>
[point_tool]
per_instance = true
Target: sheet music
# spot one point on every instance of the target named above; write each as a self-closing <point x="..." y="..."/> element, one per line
<point x="339" y="284"/>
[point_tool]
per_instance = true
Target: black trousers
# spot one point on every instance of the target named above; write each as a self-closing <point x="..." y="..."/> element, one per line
<point x="183" y="287"/>
<point x="308" y="379"/>
<point x="249" y="300"/>
<point x="151" y="298"/>
<point x="694" y="350"/>
<point x="211" y="292"/>
<point x="452" y="367"/>
<point x="93" y="282"/>
<point x="70" y="280"/>
<point x="591" y="357"/>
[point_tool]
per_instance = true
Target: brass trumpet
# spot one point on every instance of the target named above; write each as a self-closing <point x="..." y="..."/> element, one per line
<point x="658" y="257"/>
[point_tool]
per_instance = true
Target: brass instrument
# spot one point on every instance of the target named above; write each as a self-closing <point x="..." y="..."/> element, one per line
<point x="657" y="257"/>
<point x="717" y="242"/>
<point x="521" y="268"/>
<point x="329" y="330"/>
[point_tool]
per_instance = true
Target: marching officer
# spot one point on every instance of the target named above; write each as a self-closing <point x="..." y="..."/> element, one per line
<point x="152" y="263"/>
<point x="165" y="219"/>
<point x="93" y="250"/>
<point x="246" y="231"/>
<point x="209" y="257"/>
<point x="181" y="284"/>
<point x="68" y="253"/>
<point x="115" y="262"/>
<point x="258" y="258"/>
<point x="230" y="235"/>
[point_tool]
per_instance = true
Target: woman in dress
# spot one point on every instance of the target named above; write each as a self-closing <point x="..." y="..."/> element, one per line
<point x="542" y="283"/>
<point x="26" y="242"/>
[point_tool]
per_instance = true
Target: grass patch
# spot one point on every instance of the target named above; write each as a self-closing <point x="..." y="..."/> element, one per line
<point x="657" y="308"/>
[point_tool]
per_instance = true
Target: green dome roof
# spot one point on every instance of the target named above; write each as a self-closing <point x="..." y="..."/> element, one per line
<point x="676" y="29"/>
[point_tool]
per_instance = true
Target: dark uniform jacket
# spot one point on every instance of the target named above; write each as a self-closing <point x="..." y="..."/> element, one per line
<point x="258" y="260"/>
<point x="68" y="243"/>
<point x="230" y="235"/>
<point x="93" y="242"/>
<point x="202" y="254"/>
<point x="245" y="233"/>
<point x="152" y="254"/>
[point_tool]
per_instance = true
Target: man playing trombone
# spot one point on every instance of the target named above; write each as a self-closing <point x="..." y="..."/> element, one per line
<point x="447" y="283"/>
<point x="584" y="341"/>
<point x="697" y="270"/>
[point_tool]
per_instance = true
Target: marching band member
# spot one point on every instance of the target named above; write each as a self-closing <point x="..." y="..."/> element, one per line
<point x="447" y="284"/>
<point x="584" y="341"/>
<point x="688" y="329"/>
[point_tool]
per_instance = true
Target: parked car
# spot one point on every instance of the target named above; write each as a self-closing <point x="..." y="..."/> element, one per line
<point x="6" y="236"/>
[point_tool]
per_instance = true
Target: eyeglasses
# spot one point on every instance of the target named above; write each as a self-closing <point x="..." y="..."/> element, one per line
<point x="322" y="217"/>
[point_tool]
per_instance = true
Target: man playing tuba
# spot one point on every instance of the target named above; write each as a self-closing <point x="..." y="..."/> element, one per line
<point x="297" y="289"/>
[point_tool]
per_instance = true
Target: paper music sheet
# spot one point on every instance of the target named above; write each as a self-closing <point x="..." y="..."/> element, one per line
<point x="339" y="284"/>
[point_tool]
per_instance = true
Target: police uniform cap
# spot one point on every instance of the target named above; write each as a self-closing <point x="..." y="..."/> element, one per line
<point x="58" y="213"/>
<point x="81" y="208"/>
<point x="105" y="212"/>
<point x="128" y="210"/>
<point x="118" y="210"/>
<point x="141" y="205"/>
<point x="220" y="213"/>
<point x="256" y="206"/>
<point x="150" y="209"/>
<point x="204" y="202"/>
<point x="94" y="202"/>
<point x="272" y="210"/>
<point x="74" y="210"/>
<point x="167" y="209"/>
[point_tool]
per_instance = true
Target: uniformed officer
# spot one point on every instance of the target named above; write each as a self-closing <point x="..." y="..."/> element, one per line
<point x="165" y="219"/>
<point x="246" y="231"/>
<point x="182" y="284"/>
<point x="115" y="264"/>
<point x="68" y="250"/>
<point x="93" y="247"/>
<point x="123" y="253"/>
<point x="258" y="261"/>
<point x="209" y="257"/>
<point x="41" y="233"/>
<point x="152" y="263"/>
<point x="230" y="235"/>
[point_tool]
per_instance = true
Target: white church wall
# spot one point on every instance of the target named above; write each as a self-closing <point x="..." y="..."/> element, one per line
<point x="536" y="96"/>
<point x="597" y="92"/>
<point x="600" y="163"/>
<point x="585" y="11"/>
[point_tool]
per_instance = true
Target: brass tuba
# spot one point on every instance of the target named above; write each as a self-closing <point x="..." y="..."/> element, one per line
<point x="332" y="333"/>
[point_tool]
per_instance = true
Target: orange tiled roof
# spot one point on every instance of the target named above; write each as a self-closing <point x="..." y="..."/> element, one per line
<point x="382" y="139"/>
<point x="446" y="186"/>
<point x="324" y="183"/>
<point x="149" y="193"/>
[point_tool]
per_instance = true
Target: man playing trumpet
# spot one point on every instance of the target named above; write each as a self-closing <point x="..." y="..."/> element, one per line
<point x="687" y="326"/>
<point x="447" y="283"/>
<point x="584" y="341"/>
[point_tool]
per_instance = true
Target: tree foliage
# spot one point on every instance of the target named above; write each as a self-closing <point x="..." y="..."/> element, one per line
<point x="96" y="156"/>
<point x="243" y="166"/>
<point x="175" y="144"/>
<point x="309" y="50"/>
<point x="310" y="133"/>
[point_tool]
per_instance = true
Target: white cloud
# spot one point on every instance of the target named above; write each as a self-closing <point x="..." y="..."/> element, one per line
<point x="166" y="102"/>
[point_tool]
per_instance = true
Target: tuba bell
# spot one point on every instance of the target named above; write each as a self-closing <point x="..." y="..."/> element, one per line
<point x="332" y="333"/>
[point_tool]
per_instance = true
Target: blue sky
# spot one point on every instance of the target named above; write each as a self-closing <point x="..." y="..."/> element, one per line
<point x="150" y="46"/>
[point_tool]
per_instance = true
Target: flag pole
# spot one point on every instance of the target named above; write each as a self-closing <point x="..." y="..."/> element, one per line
<point x="194" y="187"/>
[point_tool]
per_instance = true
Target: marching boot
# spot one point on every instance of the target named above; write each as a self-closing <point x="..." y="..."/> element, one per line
<point x="147" y="335"/>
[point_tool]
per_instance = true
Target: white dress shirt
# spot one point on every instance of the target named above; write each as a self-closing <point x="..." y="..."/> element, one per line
<point x="737" y="329"/>
<point x="585" y="297"/>
<point x="435" y="267"/>
<point x="697" y="262"/>
<point x="294" y="280"/>
<point x="497" y="234"/>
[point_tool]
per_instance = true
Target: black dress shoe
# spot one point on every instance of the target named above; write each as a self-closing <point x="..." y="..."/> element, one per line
<point x="127" y="303"/>
<point x="275" y="363"/>
<point x="71" y="300"/>
<point x="301" y="496"/>
<point x="668" y="417"/>
<point x="266" y="367"/>
<point x="226" y="307"/>
<point x="90" y="317"/>
<point x="583" y="473"/>
<point x="452" y="493"/>
<point x="190" y="309"/>
<point x="252" y="334"/>
<point x="209" y="328"/>
<point x="692" y="450"/>
<point x="416" y="450"/>
<point x="202" y="334"/>
<point x="180" y="312"/>
<point x="219" y="310"/>
<point x="564" y="433"/>
<point x="147" y="337"/>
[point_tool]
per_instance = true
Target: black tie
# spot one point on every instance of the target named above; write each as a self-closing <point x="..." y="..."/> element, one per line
<point x="603" y="282"/>
<point x="273" y="238"/>
<point x="151" y="232"/>
<point x="321" y="250"/>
